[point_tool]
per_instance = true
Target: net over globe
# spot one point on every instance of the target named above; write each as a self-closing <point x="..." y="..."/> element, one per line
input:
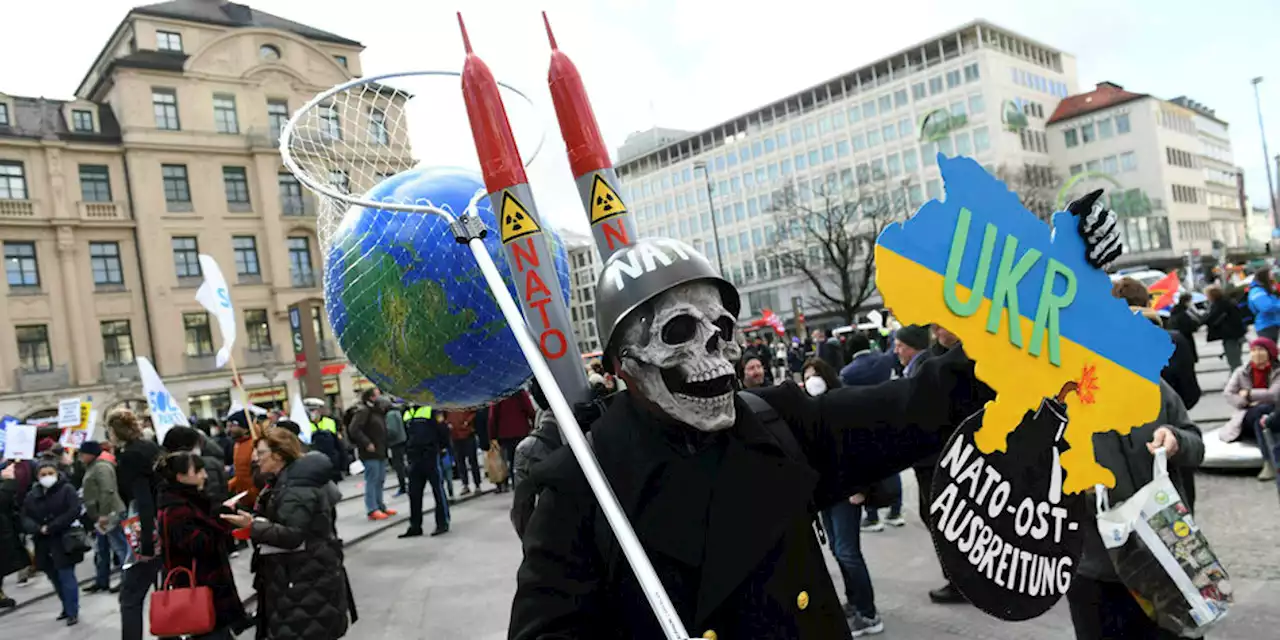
<point x="409" y="305"/>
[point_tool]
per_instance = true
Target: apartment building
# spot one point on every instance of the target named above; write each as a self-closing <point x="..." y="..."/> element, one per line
<point x="168" y="150"/>
<point x="978" y="90"/>
<point x="1167" y="166"/>
<point x="584" y="270"/>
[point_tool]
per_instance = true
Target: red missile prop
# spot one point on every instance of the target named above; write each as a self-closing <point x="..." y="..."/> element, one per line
<point x="611" y="223"/>
<point x="527" y="250"/>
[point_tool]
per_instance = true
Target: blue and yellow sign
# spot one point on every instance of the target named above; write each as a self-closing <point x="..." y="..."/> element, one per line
<point x="1030" y="310"/>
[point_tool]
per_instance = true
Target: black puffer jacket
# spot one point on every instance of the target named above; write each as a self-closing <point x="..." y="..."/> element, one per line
<point x="302" y="586"/>
<point x="215" y="487"/>
<point x="56" y="509"/>
<point x="13" y="556"/>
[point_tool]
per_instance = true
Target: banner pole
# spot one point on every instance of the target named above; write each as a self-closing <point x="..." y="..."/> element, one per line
<point x="244" y="397"/>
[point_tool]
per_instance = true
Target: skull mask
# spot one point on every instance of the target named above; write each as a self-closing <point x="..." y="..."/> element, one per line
<point x="680" y="355"/>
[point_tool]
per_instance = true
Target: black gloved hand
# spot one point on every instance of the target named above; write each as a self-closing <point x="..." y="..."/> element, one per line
<point x="1100" y="229"/>
<point x="586" y="413"/>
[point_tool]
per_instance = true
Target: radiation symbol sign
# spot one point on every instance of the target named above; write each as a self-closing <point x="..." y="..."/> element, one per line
<point x="605" y="202"/>
<point x="1008" y="537"/>
<point x="516" y="221"/>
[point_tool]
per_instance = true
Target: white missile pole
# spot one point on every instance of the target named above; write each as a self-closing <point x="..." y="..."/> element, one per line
<point x="467" y="229"/>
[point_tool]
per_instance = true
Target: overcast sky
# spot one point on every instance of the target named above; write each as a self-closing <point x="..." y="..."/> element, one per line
<point x="693" y="64"/>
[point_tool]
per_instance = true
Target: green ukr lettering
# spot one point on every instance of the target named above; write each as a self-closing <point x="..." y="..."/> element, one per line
<point x="1004" y="293"/>
<point x="952" y="278"/>
<point x="1047" y="313"/>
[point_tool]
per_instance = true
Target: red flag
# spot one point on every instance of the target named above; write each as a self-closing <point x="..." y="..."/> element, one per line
<point x="772" y="319"/>
<point x="1164" y="291"/>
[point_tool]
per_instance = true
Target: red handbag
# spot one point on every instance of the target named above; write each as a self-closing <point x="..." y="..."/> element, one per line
<point x="181" y="611"/>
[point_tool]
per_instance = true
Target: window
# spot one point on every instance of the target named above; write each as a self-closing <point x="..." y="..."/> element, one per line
<point x="900" y="98"/>
<point x="828" y="153"/>
<point x="1069" y="137"/>
<point x="224" y="114"/>
<point x="909" y="160"/>
<point x="339" y="180"/>
<point x="4" y="114"/>
<point x="13" y="181"/>
<point x="117" y="343"/>
<point x="894" y="165"/>
<point x="95" y="183"/>
<point x="1122" y="123"/>
<point x="199" y="337"/>
<point x="963" y="147"/>
<point x="801" y="163"/>
<point x="855" y="114"/>
<point x="104" y="261"/>
<point x="168" y="41"/>
<point x="842" y="148"/>
<point x="236" y="184"/>
<point x="300" y="262"/>
<point x="1086" y="133"/>
<point x="176" y="189"/>
<point x="341" y="60"/>
<point x="976" y="105"/>
<point x="905" y="130"/>
<point x="933" y="189"/>
<point x="329" y="122"/>
<point x="1075" y="169"/>
<point x="1110" y="165"/>
<point x="81" y="121"/>
<point x="378" y="126"/>
<point x="981" y="140"/>
<point x="1105" y="129"/>
<point x="971" y="72"/>
<point x="21" y="268"/>
<point x="953" y="79"/>
<point x="1093" y="166"/>
<point x="944" y="147"/>
<point x="918" y="91"/>
<point x="935" y="85"/>
<point x="782" y="144"/>
<point x="873" y="138"/>
<point x="914" y="195"/>
<point x="1128" y="161"/>
<point x="810" y="132"/>
<point x="186" y="256"/>
<point x="291" y="202"/>
<point x="277" y="116"/>
<point x="258" y="329"/>
<point x="34" y="355"/>
<point x="886" y="104"/>
<point x="268" y="52"/>
<point x="859" y="142"/>
<point x="164" y="102"/>
<point x="889" y="132"/>
<point x="1185" y="194"/>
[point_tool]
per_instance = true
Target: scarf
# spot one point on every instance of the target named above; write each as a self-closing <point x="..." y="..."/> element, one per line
<point x="1261" y="376"/>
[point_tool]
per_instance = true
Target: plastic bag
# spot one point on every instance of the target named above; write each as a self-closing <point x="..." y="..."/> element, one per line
<point x="1163" y="557"/>
<point x="355" y="468"/>
<point x="494" y="465"/>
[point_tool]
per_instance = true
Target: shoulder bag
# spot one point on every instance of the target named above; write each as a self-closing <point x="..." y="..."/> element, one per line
<point x="181" y="611"/>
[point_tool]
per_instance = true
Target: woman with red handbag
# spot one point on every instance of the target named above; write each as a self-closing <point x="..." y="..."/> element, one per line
<point x="195" y="543"/>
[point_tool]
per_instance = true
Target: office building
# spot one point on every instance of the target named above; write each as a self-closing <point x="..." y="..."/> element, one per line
<point x="584" y="270"/>
<point x="167" y="151"/>
<point x="1167" y="165"/>
<point x="978" y="90"/>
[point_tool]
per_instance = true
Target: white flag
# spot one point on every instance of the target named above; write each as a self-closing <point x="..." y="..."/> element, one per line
<point x="215" y="297"/>
<point x="165" y="412"/>
<point x="298" y="415"/>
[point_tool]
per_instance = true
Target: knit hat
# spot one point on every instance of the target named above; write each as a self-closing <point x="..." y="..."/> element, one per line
<point x="1265" y="343"/>
<point x="45" y="444"/>
<point x="92" y="447"/>
<point x="914" y="336"/>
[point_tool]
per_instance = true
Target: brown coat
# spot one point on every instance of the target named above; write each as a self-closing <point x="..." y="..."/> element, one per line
<point x="242" y="459"/>
<point x="462" y="424"/>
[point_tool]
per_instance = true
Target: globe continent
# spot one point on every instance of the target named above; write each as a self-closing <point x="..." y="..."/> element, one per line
<point x="409" y="305"/>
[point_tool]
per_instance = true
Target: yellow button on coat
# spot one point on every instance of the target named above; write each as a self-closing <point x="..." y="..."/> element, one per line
<point x="710" y="635"/>
<point x="802" y="600"/>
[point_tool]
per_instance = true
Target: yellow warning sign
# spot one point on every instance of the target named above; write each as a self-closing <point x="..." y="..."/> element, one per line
<point x="605" y="202"/>
<point x="516" y="221"/>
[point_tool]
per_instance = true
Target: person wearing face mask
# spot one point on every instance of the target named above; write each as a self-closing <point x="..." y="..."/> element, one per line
<point x="843" y="521"/>
<point x="368" y="432"/>
<point x="193" y="537"/>
<point x="302" y="586"/>
<point x="48" y="514"/>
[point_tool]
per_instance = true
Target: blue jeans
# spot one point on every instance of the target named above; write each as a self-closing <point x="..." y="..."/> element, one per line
<point x="375" y="475"/>
<point x="843" y="523"/>
<point x="68" y="590"/>
<point x="111" y="543"/>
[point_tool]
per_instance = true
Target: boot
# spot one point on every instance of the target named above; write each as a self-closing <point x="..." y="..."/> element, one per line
<point x="1268" y="472"/>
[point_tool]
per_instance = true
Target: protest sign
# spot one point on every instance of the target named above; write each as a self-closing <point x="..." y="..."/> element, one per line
<point x="20" y="442"/>
<point x="5" y="423"/>
<point x="68" y="412"/>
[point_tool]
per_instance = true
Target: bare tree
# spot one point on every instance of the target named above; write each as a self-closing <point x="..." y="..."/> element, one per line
<point x="1037" y="186"/>
<point x="826" y="231"/>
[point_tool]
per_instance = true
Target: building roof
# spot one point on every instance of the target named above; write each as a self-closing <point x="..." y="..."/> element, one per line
<point x="230" y="14"/>
<point x="41" y="118"/>
<point x="1105" y="95"/>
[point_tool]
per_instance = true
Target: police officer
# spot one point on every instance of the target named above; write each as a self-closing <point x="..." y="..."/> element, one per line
<point x="326" y="439"/>
<point x="427" y="439"/>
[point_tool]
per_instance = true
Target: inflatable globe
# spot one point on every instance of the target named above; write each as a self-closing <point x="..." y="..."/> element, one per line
<point x="409" y="305"/>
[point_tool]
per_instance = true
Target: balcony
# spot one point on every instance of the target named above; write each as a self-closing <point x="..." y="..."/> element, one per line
<point x="298" y="205"/>
<point x="59" y="377"/>
<point x="96" y="211"/>
<point x="112" y="373"/>
<point x="19" y="209"/>
<point x="260" y="138"/>
<point x="201" y="364"/>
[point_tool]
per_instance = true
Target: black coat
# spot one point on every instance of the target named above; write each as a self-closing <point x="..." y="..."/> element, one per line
<point x="1184" y="322"/>
<point x="193" y="536"/>
<point x="425" y="438"/>
<point x="135" y="473"/>
<point x="13" y="555"/>
<point x="303" y="590"/>
<point x="1180" y="371"/>
<point x="1225" y="321"/>
<point x="57" y="508"/>
<point x="727" y="518"/>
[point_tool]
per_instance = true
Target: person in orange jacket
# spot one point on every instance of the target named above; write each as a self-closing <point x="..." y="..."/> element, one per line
<point x="242" y="462"/>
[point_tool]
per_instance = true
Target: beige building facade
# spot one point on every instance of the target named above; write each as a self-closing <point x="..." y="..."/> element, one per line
<point x="168" y="151"/>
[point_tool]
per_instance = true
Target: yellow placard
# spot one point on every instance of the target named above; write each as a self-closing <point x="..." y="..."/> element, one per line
<point x="516" y="222"/>
<point x="605" y="202"/>
<point x="85" y="407"/>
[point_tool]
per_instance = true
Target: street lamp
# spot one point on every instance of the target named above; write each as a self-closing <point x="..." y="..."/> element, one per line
<point x="711" y="202"/>
<point x="1266" y="157"/>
